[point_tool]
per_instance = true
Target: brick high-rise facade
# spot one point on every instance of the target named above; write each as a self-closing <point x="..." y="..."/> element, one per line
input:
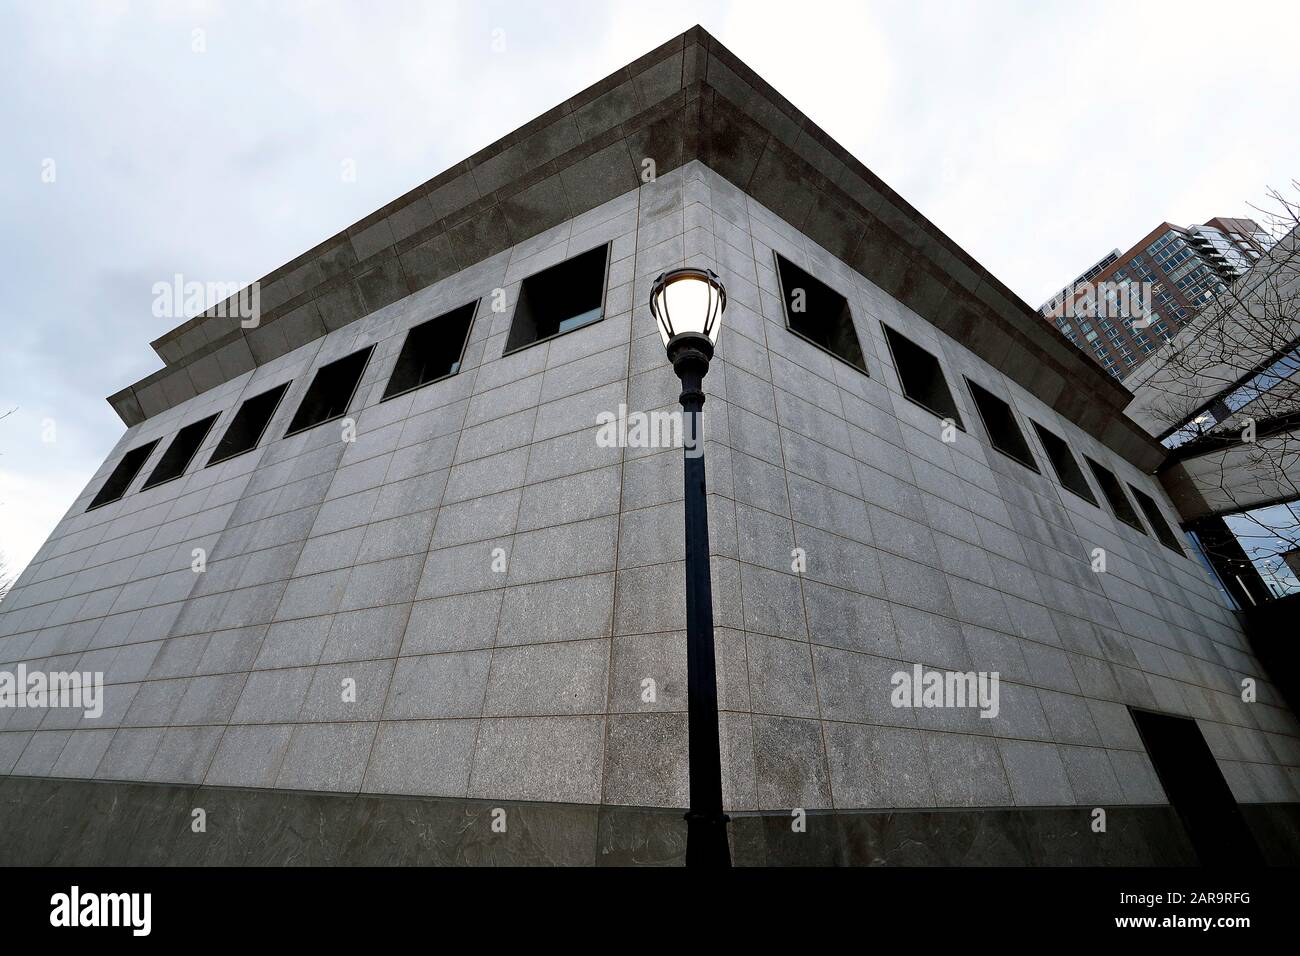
<point x="1186" y="267"/>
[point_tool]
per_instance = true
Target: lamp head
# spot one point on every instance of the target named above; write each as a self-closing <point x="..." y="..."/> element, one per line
<point x="688" y="301"/>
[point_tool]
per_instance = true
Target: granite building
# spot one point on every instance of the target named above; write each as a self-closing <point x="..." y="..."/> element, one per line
<point x="362" y="582"/>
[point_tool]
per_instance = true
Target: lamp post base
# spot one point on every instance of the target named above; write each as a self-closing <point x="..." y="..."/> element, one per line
<point x="706" y="840"/>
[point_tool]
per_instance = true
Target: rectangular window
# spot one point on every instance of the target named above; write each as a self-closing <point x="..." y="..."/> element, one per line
<point x="245" y="429"/>
<point x="816" y="312"/>
<point x="330" y="391"/>
<point x="1156" y="520"/>
<point x="432" y="350"/>
<point x="180" y="452"/>
<point x="1067" y="469"/>
<point x="1000" y="423"/>
<point x="921" y="376"/>
<point x="564" y="297"/>
<point x="122" y="476"/>
<point x="1110" y="487"/>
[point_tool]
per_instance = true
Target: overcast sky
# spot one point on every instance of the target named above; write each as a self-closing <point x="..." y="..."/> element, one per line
<point x="1038" y="135"/>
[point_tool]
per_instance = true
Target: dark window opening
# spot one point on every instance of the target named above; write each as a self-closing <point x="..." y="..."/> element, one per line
<point x="921" y="376"/>
<point x="564" y="297"/>
<point x="1000" y="423"/>
<point x="330" y="391"/>
<point x="1110" y="487"/>
<point x="816" y="312"/>
<point x="246" y="428"/>
<point x="180" y="452"/>
<point x="1194" y="784"/>
<point x="1067" y="469"/>
<point x="432" y="350"/>
<point x="1156" y="520"/>
<point x="122" y="476"/>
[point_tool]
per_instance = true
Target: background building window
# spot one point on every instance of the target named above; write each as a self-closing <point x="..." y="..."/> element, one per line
<point x="1000" y="423"/>
<point x="432" y="350"/>
<point x="180" y="452"/>
<point x="1067" y="469"/>
<point x="245" y="429"/>
<point x="1156" y="519"/>
<point x="816" y="312"/>
<point x="121" y="477"/>
<point x="1114" y="492"/>
<point x="921" y="376"/>
<point x="564" y="297"/>
<point x="330" y="391"/>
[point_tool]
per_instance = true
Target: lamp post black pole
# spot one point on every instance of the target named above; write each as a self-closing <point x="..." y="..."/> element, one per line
<point x="706" y="824"/>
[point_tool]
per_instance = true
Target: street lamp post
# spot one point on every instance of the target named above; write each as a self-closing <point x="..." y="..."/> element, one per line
<point x="687" y="305"/>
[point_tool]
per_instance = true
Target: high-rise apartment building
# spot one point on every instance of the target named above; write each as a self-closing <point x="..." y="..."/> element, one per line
<point x="1127" y="304"/>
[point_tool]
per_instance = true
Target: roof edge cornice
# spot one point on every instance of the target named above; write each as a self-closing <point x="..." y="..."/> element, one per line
<point x="689" y="99"/>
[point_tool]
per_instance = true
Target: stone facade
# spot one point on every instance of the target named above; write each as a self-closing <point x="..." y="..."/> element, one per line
<point x="373" y="560"/>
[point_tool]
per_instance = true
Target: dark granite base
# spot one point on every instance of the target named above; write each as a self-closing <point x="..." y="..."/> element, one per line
<point x="87" y="823"/>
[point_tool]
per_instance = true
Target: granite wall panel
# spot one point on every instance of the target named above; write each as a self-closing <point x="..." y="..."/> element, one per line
<point x="493" y="587"/>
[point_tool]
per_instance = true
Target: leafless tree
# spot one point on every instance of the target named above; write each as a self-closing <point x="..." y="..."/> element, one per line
<point x="6" y="576"/>
<point x="1241" y="349"/>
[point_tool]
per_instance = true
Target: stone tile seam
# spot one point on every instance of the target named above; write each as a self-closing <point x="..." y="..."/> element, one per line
<point x="618" y="528"/>
<point x="618" y="714"/>
<point x="925" y="732"/>
<point x="735" y="500"/>
<point x="958" y="621"/>
<point x="496" y="631"/>
<point x="321" y="662"/>
<point x="278" y="604"/>
<point x="803" y="597"/>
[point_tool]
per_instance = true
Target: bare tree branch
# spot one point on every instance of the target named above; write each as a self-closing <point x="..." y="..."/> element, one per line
<point x="1229" y="385"/>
